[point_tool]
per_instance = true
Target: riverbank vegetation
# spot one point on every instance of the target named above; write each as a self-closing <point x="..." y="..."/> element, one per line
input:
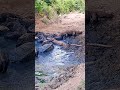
<point x="50" y="8"/>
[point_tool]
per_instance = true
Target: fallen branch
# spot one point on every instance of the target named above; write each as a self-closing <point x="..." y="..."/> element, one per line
<point x="99" y="45"/>
<point x="75" y="45"/>
<point x="60" y="43"/>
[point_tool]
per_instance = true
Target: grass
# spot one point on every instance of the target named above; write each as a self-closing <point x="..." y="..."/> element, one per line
<point x="50" y="8"/>
<point x="40" y="74"/>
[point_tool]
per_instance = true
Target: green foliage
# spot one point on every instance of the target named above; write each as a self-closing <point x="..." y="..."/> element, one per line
<point x="40" y="74"/>
<point x="51" y="7"/>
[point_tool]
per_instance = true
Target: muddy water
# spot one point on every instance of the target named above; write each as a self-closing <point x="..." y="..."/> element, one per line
<point x="56" y="62"/>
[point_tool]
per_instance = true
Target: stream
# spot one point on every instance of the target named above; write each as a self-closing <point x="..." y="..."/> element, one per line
<point x="56" y="62"/>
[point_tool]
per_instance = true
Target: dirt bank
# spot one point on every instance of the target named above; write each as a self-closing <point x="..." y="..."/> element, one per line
<point x="73" y="21"/>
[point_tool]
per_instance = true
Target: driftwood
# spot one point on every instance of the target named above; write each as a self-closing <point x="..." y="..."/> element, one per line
<point x="99" y="45"/>
<point x="60" y="43"/>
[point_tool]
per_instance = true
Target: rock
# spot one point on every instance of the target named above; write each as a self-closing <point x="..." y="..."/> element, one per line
<point x="4" y="62"/>
<point x="12" y="35"/>
<point x="40" y="37"/>
<point x="3" y="29"/>
<point x="23" y="53"/>
<point x="58" y="37"/>
<point x="27" y="37"/>
<point x="46" y="48"/>
<point x="36" y="38"/>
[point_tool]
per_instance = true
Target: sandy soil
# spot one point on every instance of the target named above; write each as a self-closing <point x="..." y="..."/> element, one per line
<point x="77" y="82"/>
<point x="72" y="21"/>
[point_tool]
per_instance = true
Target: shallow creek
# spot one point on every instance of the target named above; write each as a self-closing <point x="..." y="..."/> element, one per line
<point x="56" y="62"/>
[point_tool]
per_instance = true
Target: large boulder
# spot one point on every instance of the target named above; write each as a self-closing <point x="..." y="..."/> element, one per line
<point x="40" y="37"/>
<point x="27" y="37"/>
<point x="4" y="62"/>
<point x="46" y="48"/>
<point x="23" y="53"/>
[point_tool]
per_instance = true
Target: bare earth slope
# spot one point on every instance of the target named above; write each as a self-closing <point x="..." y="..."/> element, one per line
<point x="72" y="21"/>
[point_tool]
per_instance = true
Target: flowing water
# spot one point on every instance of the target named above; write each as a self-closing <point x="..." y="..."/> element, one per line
<point x="55" y="62"/>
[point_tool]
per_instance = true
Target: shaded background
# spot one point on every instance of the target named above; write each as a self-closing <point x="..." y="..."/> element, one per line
<point x="20" y="75"/>
<point x="102" y="45"/>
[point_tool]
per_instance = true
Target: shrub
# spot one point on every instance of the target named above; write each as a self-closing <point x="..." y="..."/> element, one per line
<point x="51" y="7"/>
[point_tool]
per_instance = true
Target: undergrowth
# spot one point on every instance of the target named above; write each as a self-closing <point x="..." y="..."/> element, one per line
<point x="50" y="8"/>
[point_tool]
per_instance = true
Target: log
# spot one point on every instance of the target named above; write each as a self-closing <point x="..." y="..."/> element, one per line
<point x="60" y="43"/>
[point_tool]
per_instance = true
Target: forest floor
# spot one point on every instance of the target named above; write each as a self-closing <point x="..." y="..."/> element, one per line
<point x="68" y="22"/>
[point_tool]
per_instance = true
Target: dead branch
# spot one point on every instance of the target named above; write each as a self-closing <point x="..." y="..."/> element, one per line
<point x="75" y="45"/>
<point x="62" y="43"/>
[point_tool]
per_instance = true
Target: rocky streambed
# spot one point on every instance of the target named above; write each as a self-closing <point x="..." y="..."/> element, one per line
<point x="55" y="62"/>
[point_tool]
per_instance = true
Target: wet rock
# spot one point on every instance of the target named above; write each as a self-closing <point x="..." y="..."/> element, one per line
<point x="58" y="37"/>
<point x="27" y="37"/>
<point x="36" y="38"/>
<point x="40" y="37"/>
<point x="46" y="48"/>
<point x="23" y="53"/>
<point x="3" y="29"/>
<point x="4" y="62"/>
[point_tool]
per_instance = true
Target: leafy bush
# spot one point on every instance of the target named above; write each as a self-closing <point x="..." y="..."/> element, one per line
<point x="51" y="7"/>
